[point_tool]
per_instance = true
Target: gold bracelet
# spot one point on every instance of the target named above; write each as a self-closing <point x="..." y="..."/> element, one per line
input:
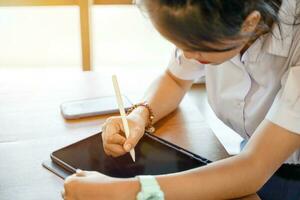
<point x="149" y="128"/>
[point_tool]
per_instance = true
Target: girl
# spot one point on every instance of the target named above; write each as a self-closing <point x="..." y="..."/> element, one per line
<point x="249" y="52"/>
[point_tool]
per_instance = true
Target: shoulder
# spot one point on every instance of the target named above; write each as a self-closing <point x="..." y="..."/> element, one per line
<point x="294" y="54"/>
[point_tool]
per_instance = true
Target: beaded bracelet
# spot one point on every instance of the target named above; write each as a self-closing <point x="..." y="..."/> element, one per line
<point x="149" y="128"/>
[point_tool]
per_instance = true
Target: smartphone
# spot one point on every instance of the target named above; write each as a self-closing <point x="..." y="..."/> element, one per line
<point x="92" y="107"/>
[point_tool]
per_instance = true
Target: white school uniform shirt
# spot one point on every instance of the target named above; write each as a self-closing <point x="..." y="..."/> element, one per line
<point x="263" y="83"/>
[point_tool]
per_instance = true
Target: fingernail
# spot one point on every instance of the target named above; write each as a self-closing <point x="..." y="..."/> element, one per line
<point x="127" y="147"/>
<point x="79" y="172"/>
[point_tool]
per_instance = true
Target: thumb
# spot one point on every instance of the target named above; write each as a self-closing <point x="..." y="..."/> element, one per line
<point x="134" y="136"/>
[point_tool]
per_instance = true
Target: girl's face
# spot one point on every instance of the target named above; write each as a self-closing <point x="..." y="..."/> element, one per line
<point x="226" y="51"/>
<point x="213" y="58"/>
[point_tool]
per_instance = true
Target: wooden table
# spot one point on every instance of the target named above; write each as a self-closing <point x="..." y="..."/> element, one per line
<point x="31" y="126"/>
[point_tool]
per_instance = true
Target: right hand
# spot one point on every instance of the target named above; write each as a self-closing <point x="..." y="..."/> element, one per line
<point x="114" y="140"/>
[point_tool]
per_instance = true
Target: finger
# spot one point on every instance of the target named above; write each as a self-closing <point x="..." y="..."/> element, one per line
<point x="70" y="186"/>
<point x="134" y="136"/>
<point x="64" y="192"/>
<point x="107" y="152"/>
<point x="110" y="129"/>
<point x="103" y="127"/>
<point x="112" y="154"/>
<point x="115" y="149"/>
<point x="80" y="173"/>
<point x="106" y="134"/>
<point x="115" y="155"/>
<point x="116" y="139"/>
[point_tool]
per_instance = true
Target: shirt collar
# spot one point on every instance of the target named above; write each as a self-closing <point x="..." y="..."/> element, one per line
<point x="275" y="43"/>
<point x="279" y="41"/>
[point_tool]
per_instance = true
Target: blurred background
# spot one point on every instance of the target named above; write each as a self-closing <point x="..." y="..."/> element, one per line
<point x="101" y="35"/>
<point x="107" y="36"/>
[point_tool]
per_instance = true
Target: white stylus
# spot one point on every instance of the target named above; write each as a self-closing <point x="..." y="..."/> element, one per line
<point x="122" y="111"/>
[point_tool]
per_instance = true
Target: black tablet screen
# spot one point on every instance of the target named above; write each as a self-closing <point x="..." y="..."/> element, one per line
<point x="152" y="158"/>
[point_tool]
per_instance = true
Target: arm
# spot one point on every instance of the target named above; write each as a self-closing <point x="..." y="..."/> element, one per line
<point x="164" y="96"/>
<point x="230" y="178"/>
<point x="234" y="177"/>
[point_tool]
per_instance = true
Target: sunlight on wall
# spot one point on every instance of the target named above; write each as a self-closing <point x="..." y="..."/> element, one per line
<point x="39" y="36"/>
<point x="123" y="36"/>
<point x="50" y="37"/>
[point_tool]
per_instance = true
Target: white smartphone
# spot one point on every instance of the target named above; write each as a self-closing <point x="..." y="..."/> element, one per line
<point x="92" y="107"/>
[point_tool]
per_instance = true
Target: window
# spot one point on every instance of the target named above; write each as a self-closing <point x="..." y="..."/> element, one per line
<point x="49" y="36"/>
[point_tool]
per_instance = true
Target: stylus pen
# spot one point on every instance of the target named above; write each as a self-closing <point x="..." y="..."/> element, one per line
<point x="122" y="111"/>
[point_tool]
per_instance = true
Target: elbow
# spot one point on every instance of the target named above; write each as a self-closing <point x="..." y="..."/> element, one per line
<point x="184" y="85"/>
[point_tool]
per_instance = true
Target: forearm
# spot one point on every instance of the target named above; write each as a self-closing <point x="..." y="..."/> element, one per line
<point x="233" y="177"/>
<point x="163" y="96"/>
<point x="237" y="176"/>
<point x="227" y="179"/>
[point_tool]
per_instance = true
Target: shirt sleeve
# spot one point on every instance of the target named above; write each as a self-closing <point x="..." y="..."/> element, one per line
<point x="183" y="68"/>
<point x="285" y="110"/>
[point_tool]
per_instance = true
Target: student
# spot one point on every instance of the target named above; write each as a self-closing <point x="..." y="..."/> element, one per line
<point x="249" y="53"/>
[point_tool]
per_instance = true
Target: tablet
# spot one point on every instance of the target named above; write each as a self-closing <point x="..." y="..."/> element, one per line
<point x="154" y="156"/>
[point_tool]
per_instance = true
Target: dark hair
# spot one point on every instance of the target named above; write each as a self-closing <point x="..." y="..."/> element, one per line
<point x="190" y="22"/>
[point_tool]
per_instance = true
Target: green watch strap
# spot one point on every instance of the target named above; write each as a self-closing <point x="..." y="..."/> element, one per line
<point x="150" y="189"/>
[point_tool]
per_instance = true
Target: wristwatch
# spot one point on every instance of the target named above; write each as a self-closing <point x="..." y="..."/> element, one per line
<point x="150" y="189"/>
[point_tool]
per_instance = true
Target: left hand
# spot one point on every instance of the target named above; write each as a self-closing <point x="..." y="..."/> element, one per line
<point x="89" y="186"/>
